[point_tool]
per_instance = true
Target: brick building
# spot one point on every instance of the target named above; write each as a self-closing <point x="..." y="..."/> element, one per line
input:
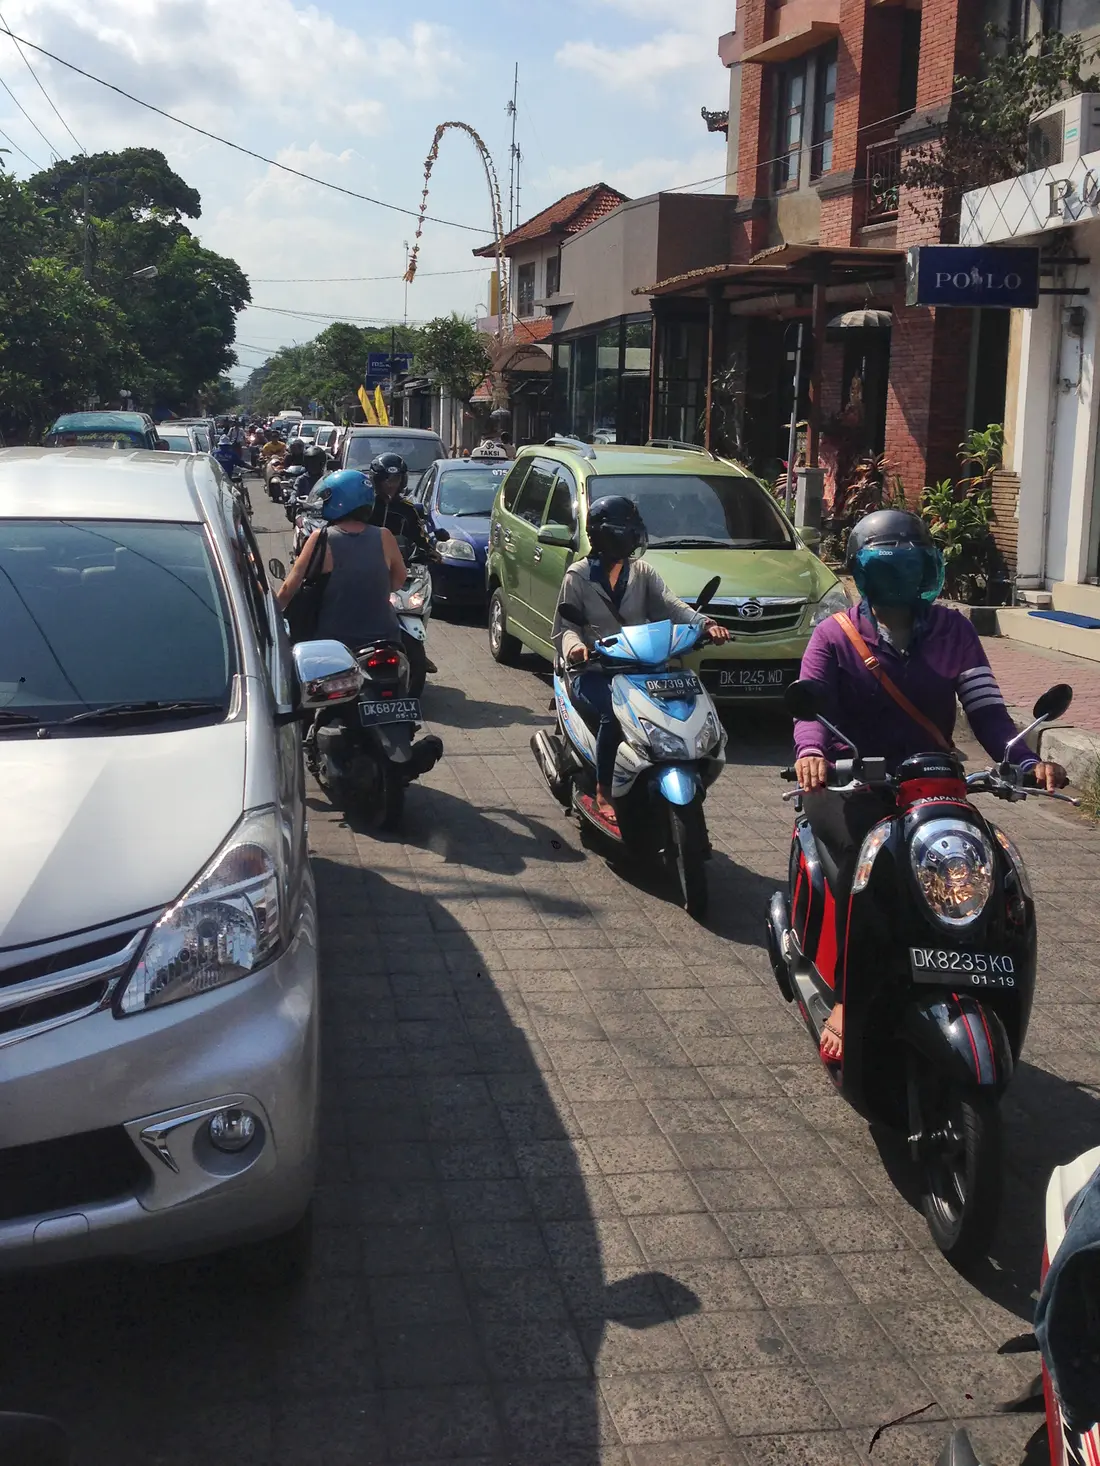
<point x="826" y="99"/>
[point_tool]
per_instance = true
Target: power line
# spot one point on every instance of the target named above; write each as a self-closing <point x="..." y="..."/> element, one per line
<point x="43" y="90"/>
<point x="318" y="317"/>
<point x="18" y="149"/>
<point x="28" y="116"/>
<point x="238" y="147"/>
<point x="352" y="279"/>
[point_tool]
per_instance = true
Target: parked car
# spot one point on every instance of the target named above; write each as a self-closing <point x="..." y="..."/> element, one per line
<point x="204" y="427"/>
<point x="705" y="516"/>
<point x="182" y="438"/>
<point x="457" y="497"/>
<point x="418" y="447"/>
<point x="102" y="430"/>
<point x="308" y="429"/>
<point x="158" y="923"/>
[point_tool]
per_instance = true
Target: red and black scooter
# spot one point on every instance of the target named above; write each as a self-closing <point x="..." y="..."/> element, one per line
<point x="939" y="968"/>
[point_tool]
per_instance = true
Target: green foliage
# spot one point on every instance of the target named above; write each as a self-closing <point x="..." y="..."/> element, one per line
<point x="983" y="450"/>
<point x="985" y="136"/>
<point x="1090" y="792"/>
<point x="959" y="514"/>
<point x="453" y="350"/>
<point x="74" y="324"/>
<point x="328" y="370"/>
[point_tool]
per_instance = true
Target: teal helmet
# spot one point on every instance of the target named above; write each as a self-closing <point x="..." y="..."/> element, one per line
<point x="893" y="559"/>
<point x="342" y="493"/>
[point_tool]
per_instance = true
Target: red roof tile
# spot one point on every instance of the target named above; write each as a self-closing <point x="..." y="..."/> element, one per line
<point x="534" y="328"/>
<point x="569" y="215"/>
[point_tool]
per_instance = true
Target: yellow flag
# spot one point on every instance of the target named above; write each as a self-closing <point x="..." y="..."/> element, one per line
<point x="380" y="411"/>
<point x="368" y="408"/>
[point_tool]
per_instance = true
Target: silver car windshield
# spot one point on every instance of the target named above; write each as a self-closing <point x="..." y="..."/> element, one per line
<point x="419" y="453"/>
<point x="98" y="613"/>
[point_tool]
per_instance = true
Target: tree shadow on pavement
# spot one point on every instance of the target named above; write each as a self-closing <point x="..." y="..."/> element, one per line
<point x="501" y="841"/>
<point x="458" y="1293"/>
<point x="451" y="707"/>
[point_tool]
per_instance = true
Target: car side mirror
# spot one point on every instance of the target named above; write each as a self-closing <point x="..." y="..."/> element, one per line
<point x="559" y="535"/>
<point x="805" y="700"/>
<point x="442" y="534"/>
<point x="810" y="537"/>
<point x="327" y="673"/>
<point x="707" y="594"/>
<point x="1054" y="702"/>
<point x="277" y="568"/>
<point x="162" y="446"/>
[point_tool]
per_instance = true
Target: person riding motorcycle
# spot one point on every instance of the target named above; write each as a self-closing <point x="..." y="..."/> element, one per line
<point x="609" y="589"/>
<point x="227" y="457"/>
<point x="316" y="466"/>
<point x="362" y="561"/>
<point x="892" y="669"/>
<point x="389" y="473"/>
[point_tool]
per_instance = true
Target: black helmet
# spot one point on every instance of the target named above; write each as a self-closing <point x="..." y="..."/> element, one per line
<point x="615" y="527"/>
<point x="893" y="559"/>
<point x="295" y="449"/>
<point x="390" y="471"/>
<point x="315" y="460"/>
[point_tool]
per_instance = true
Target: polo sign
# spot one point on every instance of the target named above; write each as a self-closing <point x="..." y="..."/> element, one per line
<point x="986" y="275"/>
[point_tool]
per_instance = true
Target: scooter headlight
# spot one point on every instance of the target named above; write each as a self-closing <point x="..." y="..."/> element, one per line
<point x="953" y="866"/>
<point x="662" y="743"/>
<point x="707" y="737"/>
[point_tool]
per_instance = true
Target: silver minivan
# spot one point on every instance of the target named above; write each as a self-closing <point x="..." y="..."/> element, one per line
<point x="158" y="923"/>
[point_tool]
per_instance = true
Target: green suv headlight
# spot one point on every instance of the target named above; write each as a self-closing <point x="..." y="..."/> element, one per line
<point x="831" y="602"/>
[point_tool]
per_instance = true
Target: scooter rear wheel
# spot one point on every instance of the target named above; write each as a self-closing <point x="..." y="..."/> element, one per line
<point x="960" y="1171"/>
<point x="418" y="664"/>
<point x="688" y="830"/>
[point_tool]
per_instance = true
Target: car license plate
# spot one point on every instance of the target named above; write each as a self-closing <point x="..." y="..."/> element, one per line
<point x="392" y="710"/>
<point x="962" y="969"/>
<point x="675" y="684"/>
<point x="744" y="677"/>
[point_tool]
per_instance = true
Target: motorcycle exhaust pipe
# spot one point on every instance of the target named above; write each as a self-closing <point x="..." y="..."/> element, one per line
<point x="548" y="758"/>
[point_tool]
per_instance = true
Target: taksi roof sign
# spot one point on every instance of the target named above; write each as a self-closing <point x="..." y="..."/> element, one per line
<point x="957" y="275"/>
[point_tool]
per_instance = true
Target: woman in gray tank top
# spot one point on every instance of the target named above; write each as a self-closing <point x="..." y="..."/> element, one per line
<point x="362" y="562"/>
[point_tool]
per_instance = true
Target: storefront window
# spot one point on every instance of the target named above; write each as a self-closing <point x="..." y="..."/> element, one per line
<point x="607" y="380"/>
<point x="681" y="387"/>
<point x="633" y="426"/>
<point x="582" y="386"/>
<point x="601" y="382"/>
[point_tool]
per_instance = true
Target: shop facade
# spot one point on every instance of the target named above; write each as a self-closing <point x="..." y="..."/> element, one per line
<point x="1052" y="418"/>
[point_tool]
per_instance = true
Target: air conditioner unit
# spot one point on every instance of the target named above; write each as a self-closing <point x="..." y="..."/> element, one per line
<point x="1064" y="132"/>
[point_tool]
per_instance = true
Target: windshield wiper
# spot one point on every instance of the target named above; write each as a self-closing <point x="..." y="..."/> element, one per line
<point x="152" y="708"/>
<point x="689" y="541"/>
<point x="470" y="513"/>
<point x="11" y="715"/>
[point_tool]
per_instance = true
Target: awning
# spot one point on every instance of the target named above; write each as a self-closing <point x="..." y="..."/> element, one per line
<point x="805" y="37"/>
<point x="783" y="268"/>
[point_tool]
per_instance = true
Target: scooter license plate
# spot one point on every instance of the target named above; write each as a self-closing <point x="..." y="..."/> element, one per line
<point x="393" y="710"/>
<point x="675" y="684"/>
<point x="948" y="968"/>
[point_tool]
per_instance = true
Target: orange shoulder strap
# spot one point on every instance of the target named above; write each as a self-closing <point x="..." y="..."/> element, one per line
<point x="871" y="662"/>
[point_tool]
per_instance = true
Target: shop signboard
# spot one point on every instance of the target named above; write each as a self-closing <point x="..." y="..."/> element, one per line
<point x="973" y="276"/>
<point x="379" y="367"/>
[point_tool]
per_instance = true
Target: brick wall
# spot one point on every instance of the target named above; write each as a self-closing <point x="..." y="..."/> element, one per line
<point x="750" y="235"/>
<point x="1006" y="529"/>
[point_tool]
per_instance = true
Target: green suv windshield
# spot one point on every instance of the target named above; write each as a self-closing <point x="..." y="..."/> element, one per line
<point x="682" y="511"/>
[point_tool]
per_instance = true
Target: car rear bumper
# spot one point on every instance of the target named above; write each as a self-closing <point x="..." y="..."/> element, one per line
<point x="106" y="1147"/>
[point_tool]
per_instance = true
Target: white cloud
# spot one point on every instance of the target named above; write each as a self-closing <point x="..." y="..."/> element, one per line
<point x="685" y="49"/>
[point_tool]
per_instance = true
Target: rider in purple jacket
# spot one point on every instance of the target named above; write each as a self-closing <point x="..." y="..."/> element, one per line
<point x="931" y="654"/>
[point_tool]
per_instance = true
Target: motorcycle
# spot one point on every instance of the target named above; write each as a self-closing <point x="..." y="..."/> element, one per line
<point x="413" y="604"/>
<point x="672" y="749"/>
<point x="939" y="972"/>
<point x="362" y="750"/>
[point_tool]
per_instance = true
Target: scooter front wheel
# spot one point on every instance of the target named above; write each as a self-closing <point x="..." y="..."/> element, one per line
<point x="960" y="1168"/>
<point x="688" y="848"/>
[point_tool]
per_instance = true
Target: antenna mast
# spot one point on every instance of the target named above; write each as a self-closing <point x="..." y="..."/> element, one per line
<point x="514" y="156"/>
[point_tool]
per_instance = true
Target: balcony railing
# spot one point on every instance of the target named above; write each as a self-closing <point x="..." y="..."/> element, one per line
<point x="883" y="169"/>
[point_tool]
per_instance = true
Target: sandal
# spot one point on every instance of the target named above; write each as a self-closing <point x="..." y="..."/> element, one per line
<point x="836" y="1033"/>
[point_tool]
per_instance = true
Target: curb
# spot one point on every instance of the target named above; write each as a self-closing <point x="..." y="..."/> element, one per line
<point x="1076" y="749"/>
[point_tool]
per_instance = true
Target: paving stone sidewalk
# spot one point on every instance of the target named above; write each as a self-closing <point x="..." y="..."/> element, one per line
<point x="1025" y="671"/>
<point x="587" y="1198"/>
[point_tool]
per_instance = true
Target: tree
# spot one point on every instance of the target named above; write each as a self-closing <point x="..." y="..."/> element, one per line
<point x="454" y="352"/>
<point x="985" y="134"/>
<point x="329" y="369"/>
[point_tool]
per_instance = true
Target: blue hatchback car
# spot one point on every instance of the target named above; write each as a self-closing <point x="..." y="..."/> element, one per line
<point x="456" y="496"/>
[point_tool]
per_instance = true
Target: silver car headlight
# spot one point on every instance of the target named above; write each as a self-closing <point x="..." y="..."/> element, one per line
<point x="707" y="737"/>
<point x="663" y="743"/>
<point x="953" y="865"/>
<point x="830" y="603"/>
<point x="457" y="550"/>
<point x="224" y="926"/>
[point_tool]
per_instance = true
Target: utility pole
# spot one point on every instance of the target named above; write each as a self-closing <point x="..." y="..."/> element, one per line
<point x="405" y="317"/>
<point x="514" y="156"/>
<point x="87" y="225"/>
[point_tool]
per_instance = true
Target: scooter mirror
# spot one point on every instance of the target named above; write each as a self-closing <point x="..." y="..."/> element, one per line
<point x="1053" y="702"/>
<point x="708" y="593"/>
<point x="805" y="700"/>
<point x="277" y="569"/>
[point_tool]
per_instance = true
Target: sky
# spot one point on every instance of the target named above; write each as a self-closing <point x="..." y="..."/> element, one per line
<point x="351" y="92"/>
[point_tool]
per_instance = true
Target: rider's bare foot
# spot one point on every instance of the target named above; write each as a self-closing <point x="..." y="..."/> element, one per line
<point x="832" y="1036"/>
<point x="605" y="809"/>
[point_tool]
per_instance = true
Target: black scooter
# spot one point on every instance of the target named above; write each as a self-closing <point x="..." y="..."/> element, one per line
<point x="362" y="753"/>
<point x="939" y="972"/>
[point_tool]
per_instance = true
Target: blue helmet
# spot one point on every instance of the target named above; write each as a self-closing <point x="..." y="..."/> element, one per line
<point x="343" y="492"/>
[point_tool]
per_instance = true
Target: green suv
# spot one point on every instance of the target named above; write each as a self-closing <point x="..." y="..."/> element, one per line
<point x="705" y="517"/>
